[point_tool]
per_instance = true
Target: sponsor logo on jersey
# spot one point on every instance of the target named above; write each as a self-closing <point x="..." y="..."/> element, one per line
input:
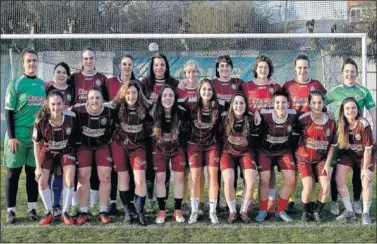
<point x="132" y="128"/>
<point x="357" y="147"/>
<point x="98" y="82"/>
<point x="57" y="129"/>
<point x="35" y="101"/>
<point x="57" y="145"/>
<point x="103" y="121"/>
<point x="315" y="144"/>
<point x="238" y="141"/>
<point x="276" y="139"/>
<point x="68" y="130"/>
<point x="92" y="132"/>
<point x="358" y="137"/>
<point x="226" y="97"/>
<point x="201" y="125"/>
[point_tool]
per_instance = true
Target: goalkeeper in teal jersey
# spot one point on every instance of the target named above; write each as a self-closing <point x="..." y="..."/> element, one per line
<point x="364" y="99"/>
<point x="24" y="98"/>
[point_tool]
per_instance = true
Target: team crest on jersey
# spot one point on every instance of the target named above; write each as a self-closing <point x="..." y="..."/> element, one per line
<point x="328" y="132"/>
<point x="68" y="130"/>
<point x="289" y="128"/>
<point x="69" y="97"/>
<point x="233" y="86"/>
<point x="358" y="136"/>
<point x="103" y="121"/>
<point x="98" y="82"/>
<point x="271" y="90"/>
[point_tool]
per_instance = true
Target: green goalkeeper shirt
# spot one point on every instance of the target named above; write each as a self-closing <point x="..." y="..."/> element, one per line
<point x="362" y="95"/>
<point x="25" y="95"/>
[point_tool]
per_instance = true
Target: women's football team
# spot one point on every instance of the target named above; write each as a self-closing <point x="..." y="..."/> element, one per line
<point x="95" y="135"/>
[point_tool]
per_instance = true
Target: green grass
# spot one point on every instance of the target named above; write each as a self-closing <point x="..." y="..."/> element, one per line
<point x="203" y="231"/>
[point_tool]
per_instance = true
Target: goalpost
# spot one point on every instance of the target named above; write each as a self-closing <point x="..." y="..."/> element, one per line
<point x="183" y="37"/>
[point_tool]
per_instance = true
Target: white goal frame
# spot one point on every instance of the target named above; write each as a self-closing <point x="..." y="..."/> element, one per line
<point x="362" y="36"/>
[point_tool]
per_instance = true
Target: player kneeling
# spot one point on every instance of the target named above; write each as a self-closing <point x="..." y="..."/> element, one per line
<point x="53" y="139"/>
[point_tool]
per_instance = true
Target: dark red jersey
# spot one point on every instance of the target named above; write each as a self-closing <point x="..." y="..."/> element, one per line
<point x="170" y="141"/>
<point x="260" y="96"/>
<point x="132" y="126"/>
<point x="299" y="93"/>
<point x="59" y="138"/>
<point x="225" y="90"/>
<point x="277" y="132"/>
<point x="82" y="83"/>
<point x="188" y="97"/>
<point x="152" y="89"/>
<point x="204" y="131"/>
<point x="238" y="142"/>
<point x="360" y="138"/>
<point x="94" y="130"/>
<point x="113" y="85"/>
<point x="68" y="93"/>
<point x="315" y="139"/>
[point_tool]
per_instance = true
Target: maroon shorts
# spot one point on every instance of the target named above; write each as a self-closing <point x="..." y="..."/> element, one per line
<point x="284" y="162"/>
<point x="128" y="157"/>
<point x="309" y="169"/>
<point x="246" y="161"/>
<point x="47" y="159"/>
<point x="355" y="161"/>
<point x="196" y="154"/>
<point x="161" y="161"/>
<point x="101" y="155"/>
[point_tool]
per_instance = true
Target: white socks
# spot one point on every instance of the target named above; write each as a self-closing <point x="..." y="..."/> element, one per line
<point x="68" y="194"/>
<point x="366" y="206"/>
<point x="245" y="206"/>
<point x="103" y="208"/>
<point x="212" y="205"/>
<point x="46" y="198"/>
<point x="33" y="205"/>
<point x="347" y="203"/>
<point x="232" y="206"/>
<point x="75" y="199"/>
<point x="194" y="204"/>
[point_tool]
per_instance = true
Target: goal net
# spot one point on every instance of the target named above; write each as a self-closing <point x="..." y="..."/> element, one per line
<point x="325" y="51"/>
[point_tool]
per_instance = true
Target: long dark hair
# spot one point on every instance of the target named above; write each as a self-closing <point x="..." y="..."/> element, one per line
<point x="230" y="119"/>
<point x="120" y="104"/>
<point x="152" y="76"/>
<point x="159" y="116"/>
<point x="65" y="66"/>
<point x="213" y="102"/>
<point x="45" y="112"/>
<point x="342" y="130"/>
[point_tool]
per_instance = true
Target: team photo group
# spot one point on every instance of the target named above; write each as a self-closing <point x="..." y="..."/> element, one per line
<point x="84" y="139"/>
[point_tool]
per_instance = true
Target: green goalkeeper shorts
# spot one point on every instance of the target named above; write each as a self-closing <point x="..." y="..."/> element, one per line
<point x="24" y="154"/>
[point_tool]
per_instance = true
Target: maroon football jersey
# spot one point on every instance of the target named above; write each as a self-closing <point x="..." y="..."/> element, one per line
<point x="299" y="93"/>
<point x="82" y="83"/>
<point x="167" y="143"/>
<point x="68" y="93"/>
<point x="204" y="132"/>
<point x="151" y="91"/>
<point x="276" y="132"/>
<point x="188" y="96"/>
<point x="56" y="138"/>
<point x="315" y="138"/>
<point x="94" y="130"/>
<point x="260" y="96"/>
<point x="360" y="138"/>
<point x="225" y="90"/>
<point x="113" y="85"/>
<point x="237" y="143"/>
<point x="133" y="128"/>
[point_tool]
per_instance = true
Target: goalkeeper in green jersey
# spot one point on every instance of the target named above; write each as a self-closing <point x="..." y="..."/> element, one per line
<point x="24" y="98"/>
